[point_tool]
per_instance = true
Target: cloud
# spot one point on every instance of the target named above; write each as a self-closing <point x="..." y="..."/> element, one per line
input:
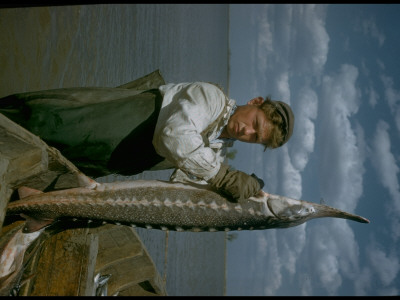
<point x="392" y="96"/>
<point x="264" y="41"/>
<point x="341" y="167"/>
<point x="278" y="251"/>
<point x="304" y="131"/>
<point x="291" y="41"/>
<point x="282" y="85"/>
<point x="380" y="64"/>
<point x="291" y="246"/>
<point x="325" y="261"/>
<point x="290" y="56"/>
<point x="292" y="46"/>
<point x="369" y="28"/>
<point x="268" y="255"/>
<point x="362" y="146"/>
<point x="387" y="169"/>
<point x="313" y="41"/>
<point x="362" y="284"/>
<point x="373" y="97"/>
<point x="290" y="177"/>
<point x="334" y="253"/>
<point x="385" y="163"/>
<point x="385" y="266"/>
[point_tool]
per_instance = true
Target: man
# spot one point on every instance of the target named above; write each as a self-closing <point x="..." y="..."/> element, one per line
<point x="150" y="125"/>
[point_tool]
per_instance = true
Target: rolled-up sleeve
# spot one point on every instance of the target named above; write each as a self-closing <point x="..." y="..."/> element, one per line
<point x="187" y="110"/>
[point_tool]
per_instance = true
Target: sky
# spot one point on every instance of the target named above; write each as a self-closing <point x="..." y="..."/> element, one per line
<point x="337" y="66"/>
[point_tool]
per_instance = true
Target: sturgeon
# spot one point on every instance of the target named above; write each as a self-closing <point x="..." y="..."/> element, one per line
<point x="167" y="206"/>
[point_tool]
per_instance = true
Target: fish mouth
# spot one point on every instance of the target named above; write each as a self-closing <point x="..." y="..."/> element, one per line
<point x="301" y="211"/>
<point x="327" y="211"/>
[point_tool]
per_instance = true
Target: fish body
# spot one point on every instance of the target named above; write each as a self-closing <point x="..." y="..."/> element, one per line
<point x="171" y="206"/>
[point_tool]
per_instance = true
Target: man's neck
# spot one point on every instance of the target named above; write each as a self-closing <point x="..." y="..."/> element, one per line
<point x="224" y="134"/>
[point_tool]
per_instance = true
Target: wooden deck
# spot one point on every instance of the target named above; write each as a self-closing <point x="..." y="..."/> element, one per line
<point x="65" y="259"/>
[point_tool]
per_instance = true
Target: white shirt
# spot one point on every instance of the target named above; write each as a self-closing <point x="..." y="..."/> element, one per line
<point x="191" y="119"/>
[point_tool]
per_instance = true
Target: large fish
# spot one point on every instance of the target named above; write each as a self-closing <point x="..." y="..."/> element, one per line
<point x="167" y="206"/>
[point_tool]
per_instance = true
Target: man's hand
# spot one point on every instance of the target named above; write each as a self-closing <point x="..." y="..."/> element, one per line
<point x="260" y="181"/>
<point x="236" y="184"/>
<point x="261" y="194"/>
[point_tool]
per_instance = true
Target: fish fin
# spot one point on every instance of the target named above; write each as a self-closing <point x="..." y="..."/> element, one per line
<point x="25" y="191"/>
<point x="34" y="224"/>
<point x="86" y="181"/>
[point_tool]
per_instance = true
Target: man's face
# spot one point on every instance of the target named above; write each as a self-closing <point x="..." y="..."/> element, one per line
<point x="249" y="123"/>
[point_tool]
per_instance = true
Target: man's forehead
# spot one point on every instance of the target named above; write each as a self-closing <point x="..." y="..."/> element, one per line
<point x="263" y="128"/>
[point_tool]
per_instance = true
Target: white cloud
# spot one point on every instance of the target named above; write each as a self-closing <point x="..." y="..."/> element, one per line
<point x="380" y="63"/>
<point x="291" y="246"/>
<point x="362" y="146"/>
<point x="291" y="51"/>
<point x="362" y="284"/>
<point x="305" y="288"/>
<point x="385" y="266"/>
<point x="326" y="264"/>
<point x="334" y="252"/>
<point x="373" y="96"/>
<point x="303" y="137"/>
<point x="369" y="28"/>
<point x="315" y="36"/>
<point x="292" y="40"/>
<point x="387" y="169"/>
<point x="341" y="167"/>
<point x="282" y="85"/>
<point x="384" y="161"/>
<point x="272" y="277"/>
<point x="265" y="40"/>
<point x="279" y="251"/>
<point x="364" y="68"/>
<point x="290" y="178"/>
<point x="392" y="96"/>
<point x="271" y="169"/>
<point x="292" y="45"/>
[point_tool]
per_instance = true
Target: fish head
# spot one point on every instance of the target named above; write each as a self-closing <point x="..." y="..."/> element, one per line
<point x="292" y="212"/>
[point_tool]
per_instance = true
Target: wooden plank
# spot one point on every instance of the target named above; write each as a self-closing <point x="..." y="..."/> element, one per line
<point x="115" y="244"/>
<point x="27" y="160"/>
<point x="67" y="263"/>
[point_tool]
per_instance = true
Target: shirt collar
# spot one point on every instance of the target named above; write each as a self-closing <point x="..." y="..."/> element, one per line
<point x="227" y="141"/>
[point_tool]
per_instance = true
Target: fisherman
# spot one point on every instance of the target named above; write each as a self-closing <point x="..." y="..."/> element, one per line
<point x="149" y="125"/>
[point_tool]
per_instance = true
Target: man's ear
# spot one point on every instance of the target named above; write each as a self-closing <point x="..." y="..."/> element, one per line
<point x="256" y="101"/>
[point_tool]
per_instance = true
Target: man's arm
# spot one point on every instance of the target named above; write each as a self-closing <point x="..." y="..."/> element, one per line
<point x="188" y="110"/>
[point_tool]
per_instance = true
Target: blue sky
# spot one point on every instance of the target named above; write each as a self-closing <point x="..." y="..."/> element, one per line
<point x="338" y="67"/>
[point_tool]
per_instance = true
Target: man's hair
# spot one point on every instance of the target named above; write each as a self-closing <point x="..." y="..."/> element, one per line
<point x="276" y="136"/>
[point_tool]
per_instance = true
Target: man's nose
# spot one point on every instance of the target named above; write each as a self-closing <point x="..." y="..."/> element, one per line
<point x="249" y="131"/>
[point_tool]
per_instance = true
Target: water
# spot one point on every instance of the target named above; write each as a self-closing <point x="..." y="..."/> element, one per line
<point x="109" y="45"/>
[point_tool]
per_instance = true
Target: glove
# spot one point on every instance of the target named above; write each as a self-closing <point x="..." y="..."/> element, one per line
<point x="235" y="184"/>
<point x="260" y="181"/>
